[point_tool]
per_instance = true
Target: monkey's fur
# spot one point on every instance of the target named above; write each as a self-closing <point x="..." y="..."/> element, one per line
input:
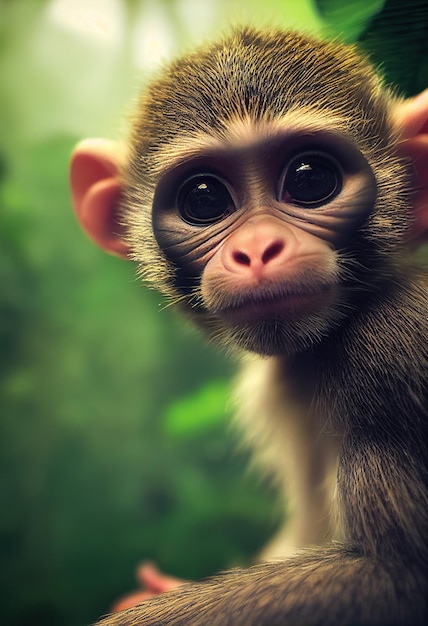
<point x="361" y="381"/>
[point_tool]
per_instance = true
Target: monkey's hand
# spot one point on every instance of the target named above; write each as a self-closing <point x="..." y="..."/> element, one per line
<point x="152" y="581"/>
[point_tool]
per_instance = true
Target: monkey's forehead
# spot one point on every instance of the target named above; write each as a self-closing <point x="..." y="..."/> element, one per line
<point x="261" y="76"/>
<point x="244" y="135"/>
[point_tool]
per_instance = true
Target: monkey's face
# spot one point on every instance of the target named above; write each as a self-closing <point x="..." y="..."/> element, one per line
<point x="263" y="187"/>
<point x="256" y="226"/>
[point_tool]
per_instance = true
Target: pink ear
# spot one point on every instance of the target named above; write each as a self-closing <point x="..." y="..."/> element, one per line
<point x="96" y="190"/>
<point x="412" y="119"/>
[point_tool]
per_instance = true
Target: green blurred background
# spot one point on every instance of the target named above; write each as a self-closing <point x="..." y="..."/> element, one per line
<point x="115" y="442"/>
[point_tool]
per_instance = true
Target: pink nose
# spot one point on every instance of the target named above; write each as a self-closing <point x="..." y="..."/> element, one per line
<point x="252" y="257"/>
<point x="257" y="248"/>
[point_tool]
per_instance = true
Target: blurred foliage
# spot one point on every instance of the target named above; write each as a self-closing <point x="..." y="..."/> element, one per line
<point x="198" y="411"/>
<point x="397" y="40"/>
<point x="347" y="20"/>
<point x="393" y="33"/>
<point x="114" y="447"/>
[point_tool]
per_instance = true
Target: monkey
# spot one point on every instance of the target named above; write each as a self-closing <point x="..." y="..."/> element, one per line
<point x="270" y="188"/>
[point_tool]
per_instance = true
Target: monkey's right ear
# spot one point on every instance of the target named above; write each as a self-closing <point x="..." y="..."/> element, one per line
<point x="411" y="117"/>
<point x="95" y="191"/>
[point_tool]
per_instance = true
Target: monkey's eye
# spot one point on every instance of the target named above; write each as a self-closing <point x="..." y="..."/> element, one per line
<point x="311" y="179"/>
<point x="204" y="199"/>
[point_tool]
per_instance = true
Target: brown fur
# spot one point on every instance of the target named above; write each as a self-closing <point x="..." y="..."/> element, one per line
<point x="361" y="387"/>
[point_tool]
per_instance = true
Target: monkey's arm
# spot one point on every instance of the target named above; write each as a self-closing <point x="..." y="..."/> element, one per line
<point x="335" y="587"/>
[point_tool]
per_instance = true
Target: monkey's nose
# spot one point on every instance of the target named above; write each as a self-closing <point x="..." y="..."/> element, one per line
<point x="253" y="257"/>
<point x="257" y="250"/>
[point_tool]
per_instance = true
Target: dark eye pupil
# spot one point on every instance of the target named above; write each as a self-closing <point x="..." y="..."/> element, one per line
<point x="203" y="199"/>
<point x="311" y="180"/>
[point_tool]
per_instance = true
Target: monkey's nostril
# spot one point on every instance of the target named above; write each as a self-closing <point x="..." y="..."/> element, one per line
<point x="241" y="258"/>
<point x="272" y="251"/>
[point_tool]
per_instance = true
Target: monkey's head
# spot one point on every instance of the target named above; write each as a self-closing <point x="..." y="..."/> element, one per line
<point x="262" y="189"/>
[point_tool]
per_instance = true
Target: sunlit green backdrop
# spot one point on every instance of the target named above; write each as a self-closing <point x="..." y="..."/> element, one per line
<point x="115" y="445"/>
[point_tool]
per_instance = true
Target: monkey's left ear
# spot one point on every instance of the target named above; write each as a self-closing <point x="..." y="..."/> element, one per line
<point x="412" y="118"/>
<point x="95" y="191"/>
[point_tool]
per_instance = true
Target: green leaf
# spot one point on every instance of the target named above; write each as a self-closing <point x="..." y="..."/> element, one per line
<point x="397" y="40"/>
<point x="393" y="33"/>
<point x="348" y="19"/>
<point x="198" y="412"/>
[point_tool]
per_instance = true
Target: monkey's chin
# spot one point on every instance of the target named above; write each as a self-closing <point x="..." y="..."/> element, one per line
<point x="280" y="334"/>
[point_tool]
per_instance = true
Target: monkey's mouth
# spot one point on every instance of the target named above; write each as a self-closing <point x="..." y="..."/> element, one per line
<point x="283" y="307"/>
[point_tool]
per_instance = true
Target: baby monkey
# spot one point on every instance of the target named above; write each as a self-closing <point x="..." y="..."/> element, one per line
<point x="270" y="188"/>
